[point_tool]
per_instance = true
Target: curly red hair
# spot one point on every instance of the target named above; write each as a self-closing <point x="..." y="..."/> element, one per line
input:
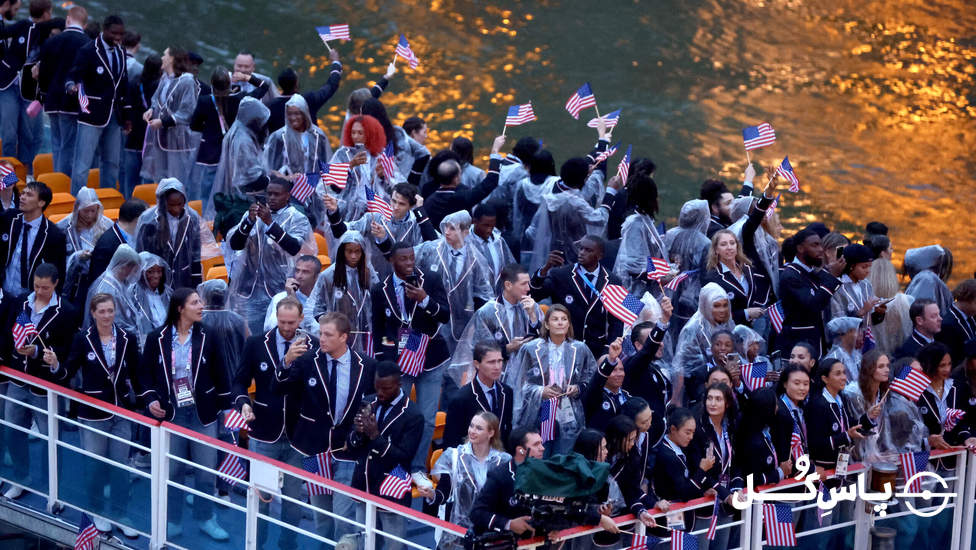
<point x="375" y="137"/>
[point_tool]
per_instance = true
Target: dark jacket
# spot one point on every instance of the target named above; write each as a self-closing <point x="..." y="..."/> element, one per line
<point x="447" y="201"/>
<point x="678" y="478"/>
<point x="270" y="404"/>
<point x="211" y="388"/>
<point x="206" y="119"/>
<point x="315" y="100"/>
<point x="316" y="429"/>
<point x="827" y="426"/>
<point x="644" y="379"/>
<point x="493" y="507"/>
<point x="49" y="246"/>
<point x="387" y="320"/>
<point x="957" y="397"/>
<point x="184" y="257"/>
<point x="106" y="90"/>
<point x="105" y="248"/>
<point x="397" y="443"/>
<point x="468" y="401"/>
<point x="25" y="39"/>
<point x="725" y="469"/>
<point x="57" y="55"/>
<point x="98" y="380"/>
<point x="911" y="346"/>
<point x="591" y="322"/>
<point x="806" y="300"/>
<point x="137" y="100"/>
<point x="957" y="329"/>
<point x="763" y="461"/>
<point x="599" y="404"/>
<point x="757" y="296"/>
<point x="57" y="326"/>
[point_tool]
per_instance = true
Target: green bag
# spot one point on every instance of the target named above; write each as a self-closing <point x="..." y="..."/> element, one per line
<point x="567" y="476"/>
<point x="229" y="210"/>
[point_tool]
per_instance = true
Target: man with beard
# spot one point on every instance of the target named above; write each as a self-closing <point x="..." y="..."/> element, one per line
<point x="719" y="202"/>
<point x="805" y="290"/>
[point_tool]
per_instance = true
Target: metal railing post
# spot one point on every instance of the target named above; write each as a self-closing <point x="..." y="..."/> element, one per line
<point x="863" y="522"/>
<point x="159" y="468"/>
<point x="369" y="538"/>
<point x="755" y="534"/>
<point x="745" y="532"/>
<point x="966" y="500"/>
<point x="958" y="511"/>
<point x="52" y="451"/>
<point x="251" y="520"/>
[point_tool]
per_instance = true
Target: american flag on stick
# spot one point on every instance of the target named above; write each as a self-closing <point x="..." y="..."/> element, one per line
<point x="673" y="283"/>
<point x="333" y="32"/>
<point x="754" y="375"/>
<point x="375" y="203"/>
<point x="581" y="99"/>
<point x="953" y="416"/>
<point x="334" y="174"/>
<point x="87" y="538"/>
<point x="911" y="464"/>
<point x="520" y="114"/>
<point x="23" y="330"/>
<point x="609" y="120"/>
<point x="403" y="50"/>
<point x="319" y="464"/>
<point x="657" y="268"/>
<point x="621" y="304"/>
<point x="757" y="137"/>
<point x="412" y="355"/>
<point x="304" y="186"/>
<point x="8" y="177"/>
<point x="778" y="519"/>
<point x="611" y="151"/>
<point x="231" y="470"/>
<point x="547" y="418"/>
<point x="786" y="171"/>
<point x="83" y="100"/>
<point x="910" y="383"/>
<point x="386" y="159"/>
<point x="396" y="484"/>
<point x="776" y="316"/>
<point x="234" y="421"/>
<point x="623" y="169"/>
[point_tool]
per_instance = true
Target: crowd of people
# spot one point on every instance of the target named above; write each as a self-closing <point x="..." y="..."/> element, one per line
<point x="480" y="292"/>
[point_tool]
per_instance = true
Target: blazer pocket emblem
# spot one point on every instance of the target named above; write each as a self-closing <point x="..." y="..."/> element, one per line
<point x="91" y="355"/>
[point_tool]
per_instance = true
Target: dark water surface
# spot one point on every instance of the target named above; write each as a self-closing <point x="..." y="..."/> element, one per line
<point x="874" y="101"/>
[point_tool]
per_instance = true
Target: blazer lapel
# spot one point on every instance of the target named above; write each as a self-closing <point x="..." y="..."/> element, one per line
<point x="391" y="299"/>
<point x="323" y="382"/>
<point x="96" y="346"/>
<point x="476" y="390"/>
<point x="501" y="324"/>
<point x="39" y="241"/>
<point x="120" y="354"/>
<point x="390" y="418"/>
<point x="353" y="384"/>
<point x="272" y="354"/>
<point x="198" y="339"/>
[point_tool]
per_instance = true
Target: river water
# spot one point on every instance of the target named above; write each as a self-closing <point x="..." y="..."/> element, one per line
<point x="873" y="101"/>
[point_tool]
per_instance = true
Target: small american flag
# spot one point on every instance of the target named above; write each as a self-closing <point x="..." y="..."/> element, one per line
<point x="234" y="421"/>
<point x="404" y="51"/>
<point x="953" y="416"/>
<point x="757" y="137"/>
<point x="8" y="177"/>
<point x="609" y="120"/>
<point x="657" y="268"/>
<point x="520" y="114"/>
<point x="778" y="519"/>
<point x="683" y="541"/>
<point x="231" y="469"/>
<point x="754" y="375"/>
<point x="581" y="99"/>
<point x="621" y="304"/>
<point x="713" y="525"/>
<point x="334" y="174"/>
<point x="796" y="444"/>
<point x="910" y="383"/>
<point x="639" y="542"/>
<point x="304" y="186"/>
<point x="825" y="497"/>
<point x="776" y="316"/>
<point x="375" y="203"/>
<point x="911" y="464"/>
<point x="396" y="484"/>
<point x="83" y="100"/>
<point x="333" y="32"/>
<point x="623" y="169"/>
<point x="368" y="344"/>
<point x="611" y="151"/>
<point x="24" y="330"/>
<point x="386" y="159"/>
<point x="87" y="538"/>
<point x="547" y="418"/>
<point x="414" y="352"/>
<point x="319" y="464"/>
<point x="786" y="171"/>
<point x="772" y="207"/>
<point x="673" y="283"/>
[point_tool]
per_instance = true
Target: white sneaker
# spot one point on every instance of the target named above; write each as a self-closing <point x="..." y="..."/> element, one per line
<point x="13" y="493"/>
<point x="102" y="525"/>
<point x="128" y="532"/>
<point x="421" y="480"/>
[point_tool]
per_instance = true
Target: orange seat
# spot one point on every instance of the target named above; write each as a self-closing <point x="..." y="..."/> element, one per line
<point x="58" y="182"/>
<point x="322" y="244"/>
<point x="55" y="218"/>
<point x="110" y="198"/>
<point x="112" y="214"/>
<point x="326" y="262"/>
<point x="43" y="164"/>
<point x="544" y="308"/>
<point x="440" y="420"/>
<point x="218" y="272"/>
<point x="146" y="192"/>
<point x="19" y="167"/>
<point x="197" y="205"/>
<point x="209" y="263"/>
<point x="94" y="178"/>
<point x="431" y="460"/>
<point x="61" y="203"/>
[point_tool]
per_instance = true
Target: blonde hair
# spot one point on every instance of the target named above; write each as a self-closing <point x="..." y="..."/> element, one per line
<point x="884" y="278"/>
<point x="492" y="421"/>
<point x="713" y="261"/>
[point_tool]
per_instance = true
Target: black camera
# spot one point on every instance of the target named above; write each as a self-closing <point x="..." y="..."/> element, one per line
<point x="492" y="540"/>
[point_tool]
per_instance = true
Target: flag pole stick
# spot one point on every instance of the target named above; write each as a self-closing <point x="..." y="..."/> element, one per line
<point x="504" y="128"/>
<point x="748" y="158"/>
<point x="885" y="395"/>
<point x="597" y="109"/>
<point x="327" y="45"/>
<point x="394" y="58"/>
<point x="659" y="285"/>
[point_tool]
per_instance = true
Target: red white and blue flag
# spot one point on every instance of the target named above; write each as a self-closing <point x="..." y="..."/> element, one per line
<point x="414" y="352"/>
<point x="387" y="159"/>
<point x="396" y="484"/>
<point x="772" y="207"/>
<point x="683" y="541"/>
<point x="776" y="316"/>
<point x="404" y="51"/>
<point x="581" y="99"/>
<point x="778" y="519"/>
<point x="333" y="32"/>
<point x="657" y="268"/>
<point x="609" y="120"/>
<point x="796" y="443"/>
<point x="375" y="203"/>
<point x="673" y="283"/>
<point x="757" y="137"/>
<point x="83" y="100"/>
<point x="520" y="114"/>
<point x="623" y="169"/>
<point x="910" y="383"/>
<point x="234" y="421"/>
<point x="754" y="375"/>
<point x="231" y="470"/>
<point x="786" y="171"/>
<point x="319" y="464"/>
<point x="713" y="524"/>
<point x="334" y="174"/>
<point x="953" y="416"/>
<point x="23" y="330"/>
<point x="304" y="186"/>
<point x="825" y="497"/>
<point x="87" y="538"/>
<point x="547" y="418"/>
<point x="911" y="464"/>
<point x="621" y="304"/>
<point x="639" y="542"/>
<point x="8" y="178"/>
<point x="611" y="151"/>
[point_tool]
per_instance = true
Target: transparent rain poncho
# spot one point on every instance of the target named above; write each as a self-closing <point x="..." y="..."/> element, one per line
<point x="169" y="151"/>
<point x="352" y="299"/>
<point x="241" y="154"/>
<point x="563" y="219"/>
<point x="926" y="266"/>
<point x="639" y="240"/>
<point x="463" y="280"/>
<point x="291" y="152"/>
<point x="694" y="349"/>
<point x="688" y="246"/>
<point x="123" y="270"/>
<point x="899" y="429"/>
<point x="227" y="328"/>
<point x="151" y="304"/>
<point x="528" y="196"/>
<point x="84" y="238"/>
<point x="468" y="475"/>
